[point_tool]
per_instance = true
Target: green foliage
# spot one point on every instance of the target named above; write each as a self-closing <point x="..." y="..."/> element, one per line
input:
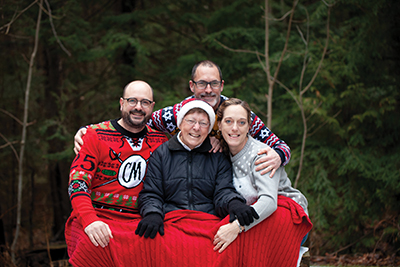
<point x="351" y="172"/>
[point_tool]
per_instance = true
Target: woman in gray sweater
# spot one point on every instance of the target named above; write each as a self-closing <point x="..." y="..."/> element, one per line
<point x="260" y="191"/>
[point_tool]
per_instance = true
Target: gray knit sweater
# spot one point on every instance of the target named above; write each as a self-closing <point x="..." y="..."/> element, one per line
<point x="259" y="189"/>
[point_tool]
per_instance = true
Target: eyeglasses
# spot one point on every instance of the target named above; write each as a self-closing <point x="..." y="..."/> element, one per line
<point x="201" y="123"/>
<point x="133" y="102"/>
<point x="203" y="84"/>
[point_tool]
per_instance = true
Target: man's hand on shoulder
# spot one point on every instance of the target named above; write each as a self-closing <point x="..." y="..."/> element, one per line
<point x="99" y="233"/>
<point x="216" y="145"/>
<point x="268" y="163"/>
<point x="78" y="141"/>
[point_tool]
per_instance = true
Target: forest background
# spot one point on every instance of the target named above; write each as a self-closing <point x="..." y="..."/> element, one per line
<point x="322" y="74"/>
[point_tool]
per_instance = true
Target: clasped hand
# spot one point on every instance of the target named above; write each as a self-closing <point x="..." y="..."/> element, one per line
<point x="150" y="225"/>
<point x="99" y="233"/>
<point x="244" y="213"/>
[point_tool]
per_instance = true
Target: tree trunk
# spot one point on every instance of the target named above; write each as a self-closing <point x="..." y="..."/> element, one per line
<point x="23" y="138"/>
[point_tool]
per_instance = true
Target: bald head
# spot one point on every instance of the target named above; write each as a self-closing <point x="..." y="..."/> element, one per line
<point x="139" y="87"/>
<point x="136" y="106"/>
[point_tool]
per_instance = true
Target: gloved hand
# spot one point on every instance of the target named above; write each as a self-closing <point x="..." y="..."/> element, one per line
<point x="150" y="225"/>
<point x="244" y="213"/>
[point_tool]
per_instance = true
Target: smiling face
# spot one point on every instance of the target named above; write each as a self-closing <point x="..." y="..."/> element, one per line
<point x="134" y="118"/>
<point x="234" y="126"/>
<point x="191" y="134"/>
<point x="207" y="73"/>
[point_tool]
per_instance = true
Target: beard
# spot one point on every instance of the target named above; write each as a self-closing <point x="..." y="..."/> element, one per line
<point x="126" y="117"/>
<point x="213" y="102"/>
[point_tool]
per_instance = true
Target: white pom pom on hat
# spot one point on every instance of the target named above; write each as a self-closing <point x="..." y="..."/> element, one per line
<point x="192" y="103"/>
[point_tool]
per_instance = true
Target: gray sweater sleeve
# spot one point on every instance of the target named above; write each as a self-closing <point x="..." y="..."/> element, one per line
<point x="267" y="189"/>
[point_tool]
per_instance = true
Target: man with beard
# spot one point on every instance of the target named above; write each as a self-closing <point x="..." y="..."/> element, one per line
<point x="206" y="83"/>
<point x="107" y="174"/>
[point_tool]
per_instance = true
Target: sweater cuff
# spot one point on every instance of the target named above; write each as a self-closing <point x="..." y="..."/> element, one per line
<point x="281" y="154"/>
<point x="84" y="210"/>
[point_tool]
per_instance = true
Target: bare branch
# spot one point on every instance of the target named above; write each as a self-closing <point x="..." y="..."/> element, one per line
<point x="328" y="5"/>
<point x="301" y="33"/>
<point x="268" y="66"/>
<point x="258" y="54"/>
<point x="11" y="115"/>
<point x="284" y="16"/>
<point x="8" y="143"/>
<point x="287" y="40"/>
<point x="289" y="91"/>
<point x="15" y="118"/>
<point x="312" y="112"/>
<point x="259" y="111"/>
<point x="48" y="13"/>
<point x="23" y="138"/>
<point x="350" y="245"/>
<point x="238" y="50"/>
<point x="266" y="46"/>
<point x="15" y="17"/>
<point x="306" y="41"/>
<point x="323" y="53"/>
<point x="322" y="125"/>
<point x="7" y="211"/>
<point x="54" y="30"/>
<point x="261" y="63"/>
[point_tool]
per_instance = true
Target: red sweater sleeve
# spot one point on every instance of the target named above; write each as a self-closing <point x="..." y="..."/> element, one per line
<point x="80" y="180"/>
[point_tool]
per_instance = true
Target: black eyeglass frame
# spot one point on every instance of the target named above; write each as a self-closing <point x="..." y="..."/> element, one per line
<point x="136" y="101"/>
<point x="208" y="83"/>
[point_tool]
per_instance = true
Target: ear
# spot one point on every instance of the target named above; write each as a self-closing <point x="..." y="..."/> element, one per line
<point x="222" y="85"/>
<point x="191" y="86"/>
<point x="121" y="103"/>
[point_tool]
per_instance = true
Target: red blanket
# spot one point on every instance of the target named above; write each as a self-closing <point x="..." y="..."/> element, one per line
<point x="188" y="241"/>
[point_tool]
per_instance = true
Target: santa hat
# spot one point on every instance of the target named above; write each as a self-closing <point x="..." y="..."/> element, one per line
<point x="196" y="103"/>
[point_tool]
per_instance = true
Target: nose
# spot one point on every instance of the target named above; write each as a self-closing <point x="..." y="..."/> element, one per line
<point x="196" y="126"/>
<point x="138" y="106"/>
<point x="208" y="89"/>
<point x="234" y="126"/>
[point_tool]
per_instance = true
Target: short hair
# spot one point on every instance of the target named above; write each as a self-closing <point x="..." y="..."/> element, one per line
<point x="206" y="63"/>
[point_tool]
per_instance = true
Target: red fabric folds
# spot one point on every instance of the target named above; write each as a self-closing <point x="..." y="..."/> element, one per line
<point x="188" y="240"/>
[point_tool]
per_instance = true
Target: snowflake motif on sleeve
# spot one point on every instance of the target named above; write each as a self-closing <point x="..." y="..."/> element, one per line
<point x="77" y="186"/>
<point x="170" y="126"/>
<point x="167" y="115"/>
<point x="264" y="133"/>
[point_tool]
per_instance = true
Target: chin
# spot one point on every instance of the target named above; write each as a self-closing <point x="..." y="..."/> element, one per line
<point x="233" y="143"/>
<point x="212" y="103"/>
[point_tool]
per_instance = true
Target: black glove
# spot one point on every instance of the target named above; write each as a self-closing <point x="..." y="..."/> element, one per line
<point x="244" y="213"/>
<point x="150" y="225"/>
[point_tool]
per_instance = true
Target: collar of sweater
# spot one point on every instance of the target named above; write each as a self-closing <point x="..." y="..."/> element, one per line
<point x="125" y="132"/>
